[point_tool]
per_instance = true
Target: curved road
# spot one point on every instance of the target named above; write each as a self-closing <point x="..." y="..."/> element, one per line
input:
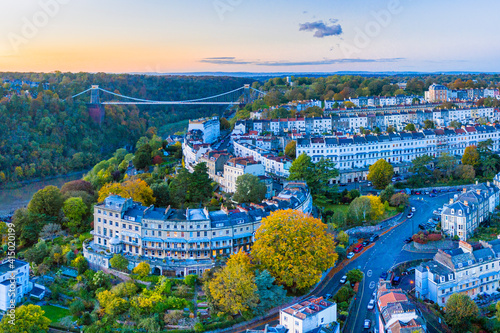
<point x="385" y="253"/>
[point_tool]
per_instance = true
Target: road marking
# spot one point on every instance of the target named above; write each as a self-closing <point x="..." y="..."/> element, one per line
<point x="371" y="285"/>
<point x="369" y="273"/>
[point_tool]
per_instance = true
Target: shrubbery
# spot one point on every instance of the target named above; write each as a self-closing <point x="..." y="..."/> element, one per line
<point x="425" y="237"/>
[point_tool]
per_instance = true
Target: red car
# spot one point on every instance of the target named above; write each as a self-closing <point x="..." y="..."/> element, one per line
<point x="358" y="248"/>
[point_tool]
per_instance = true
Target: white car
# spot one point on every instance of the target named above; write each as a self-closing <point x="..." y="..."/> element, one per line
<point x="371" y="304"/>
<point x="350" y="255"/>
<point x="369" y="184"/>
<point x="343" y="279"/>
<point x="367" y="323"/>
<point x="413" y="209"/>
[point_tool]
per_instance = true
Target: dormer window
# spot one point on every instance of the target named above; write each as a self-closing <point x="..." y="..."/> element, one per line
<point x="459" y="212"/>
<point x="442" y="279"/>
<point x="450" y="276"/>
<point x="469" y="262"/>
<point x="452" y="211"/>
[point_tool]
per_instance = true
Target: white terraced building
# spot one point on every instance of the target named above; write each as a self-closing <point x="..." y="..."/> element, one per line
<point x="349" y="152"/>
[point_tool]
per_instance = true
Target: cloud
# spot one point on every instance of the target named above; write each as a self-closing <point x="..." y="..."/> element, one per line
<point x="321" y="29"/>
<point x="282" y="63"/>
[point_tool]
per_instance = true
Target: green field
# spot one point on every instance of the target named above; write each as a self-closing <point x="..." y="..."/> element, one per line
<point x="55" y="313"/>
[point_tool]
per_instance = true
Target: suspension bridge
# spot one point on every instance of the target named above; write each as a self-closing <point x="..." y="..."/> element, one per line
<point x="242" y="95"/>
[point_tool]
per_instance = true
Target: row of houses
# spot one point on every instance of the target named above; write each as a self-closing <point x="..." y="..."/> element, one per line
<point x="353" y="121"/>
<point x="441" y="93"/>
<point x="181" y="241"/>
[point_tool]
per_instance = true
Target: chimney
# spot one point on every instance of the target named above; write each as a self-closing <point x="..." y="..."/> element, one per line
<point x="466" y="203"/>
<point x="488" y="183"/>
<point x="451" y="201"/>
<point x="464" y="190"/>
<point x="478" y="191"/>
<point x="466" y="247"/>
<point x="477" y="182"/>
<point x="265" y="328"/>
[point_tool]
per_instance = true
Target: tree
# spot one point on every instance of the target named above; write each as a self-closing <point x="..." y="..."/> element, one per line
<point x="80" y="263"/>
<point x="465" y="172"/>
<point x="199" y="187"/>
<point x="77" y="307"/>
<point x="429" y="124"/>
<point x="391" y="129"/>
<point x="142" y="157"/>
<point x="399" y="199"/>
<point x="387" y="193"/>
<point x="354" y="193"/>
<point x="172" y="317"/>
<point x="455" y="124"/>
<point x="354" y="275"/>
<point x="290" y="149"/>
<point x="460" y="311"/>
<point x="377" y="207"/>
<point x="161" y="193"/>
<point x="286" y="240"/>
<point x="28" y="319"/>
<point x="490" y="166"/>
<point x="142" y="269"/>
<point x="47" y="201"/>
<point x="270" y="295"/>
<point x="343" y="237"/>
<point x="50" y="230"/>
<point x="249" y="188"/>
<point x="360" y="208"/>
<point x="447" y="162"/>
<point x="119" y="262"/>
<point x="179" y="188"/>
<point x="419" y="165"/>
<point x="410" y="128"/>
<point x="470" y="156"/>
<point x="77" y="185"/>
<point x="301" y="168"/>
<point x="74" y="209"/>
<point x="224" y="124"/>
<point x="137" y="189"/>
<point x="380" y="173"/>
<point x="233" y="289"/>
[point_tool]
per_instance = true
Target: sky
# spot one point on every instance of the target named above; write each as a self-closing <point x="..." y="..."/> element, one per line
<point x="167" y="36"/>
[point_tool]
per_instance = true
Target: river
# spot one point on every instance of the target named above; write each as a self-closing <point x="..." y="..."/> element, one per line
<point x="12" y="199"/>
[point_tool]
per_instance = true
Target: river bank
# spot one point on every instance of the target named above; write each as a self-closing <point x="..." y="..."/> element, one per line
<point x="14" y="197"/>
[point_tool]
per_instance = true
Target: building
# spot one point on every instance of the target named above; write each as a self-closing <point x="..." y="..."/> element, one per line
<point x="470" y="270"/>
<point x="465" y="212"/>
<point x="210" y="127"/>
<point x="276" y="165"/>
<point x="238" y="166"/>
<point x="215" y="161"/>
<point x="436" y="93"/>
<point x="178" y="242"/>
<point x="309" y="315"/>
<point x="395" y="313"/>
<point x="14" y="283"/>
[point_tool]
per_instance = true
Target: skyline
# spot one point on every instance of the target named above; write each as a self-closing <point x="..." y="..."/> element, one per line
<point x="243" y="36"/>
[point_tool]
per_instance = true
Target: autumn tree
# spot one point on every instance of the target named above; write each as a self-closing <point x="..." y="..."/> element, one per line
<point x="398" y="199"/>
<point x="233" y="289"/>
<point x="470" y="156"/>
<point x="465" y="172"/>
<point x="286" y="240"/>
<point x="380" y="173"/>
<point x="28" y="319"/>
<point x="137" y="189"/>
<point x="224" y="124"/>
<point x="429" y="124"/>
<point x="74" y="209"/>
<point x="47" y="201"/>
<point x="460" y="311"/>
<point x="249" y="188"/>
<point x="142" y="269"/>
<point x="410" y="127"/>
<point x="80" y="263"/>
<point x="290" y="149"/>
<point x="377" y="207"/>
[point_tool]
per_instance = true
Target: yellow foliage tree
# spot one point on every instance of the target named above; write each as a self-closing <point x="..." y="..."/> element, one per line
<point x="470" y="156"/>
<point x="28" y="318"/>
<point x="136" y="189"/>
<point x="377" y="207"/>
<point x="111" y="303"/>
<point x="142" y="269"/>
<point x="380" y="173"/>
<point x="233" y="289"/>
<point x="294" y="247"/>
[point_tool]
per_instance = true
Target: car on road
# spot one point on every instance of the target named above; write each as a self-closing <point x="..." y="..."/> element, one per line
<point x="350" y="255"/>
<point x="383" y="275"/>
<point x="413" y="209"/>
<point x="369" y="184"/>
<point x="367" y="324"/>
<point x="417" y="193"/>
<point x="373" y="238"/>
<point x="408" y="240"/>
<point x="365" y="243"/>
<point x="393" y="179"/>
<point x="328" y="296"/>
<point x="421" y="226"/>
<point x="396" y="280"/>
<point x="343" y="279"/>
<point x="409" y="216"/>
<point x="358" y="248"/>
<point x="432" y="195"/>
<point x="426" y="192"/>
<point x="371" y="304"/>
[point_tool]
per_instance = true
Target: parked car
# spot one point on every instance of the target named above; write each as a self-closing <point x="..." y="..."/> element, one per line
<point x="410" y="215"/>
<point x="396" y="280"/>
<point x="432" y="195"/>
<point x="426" y="192"/>
<point x="408" y="240"/>
<point x="393" y="179"/>
<point x="373" y="238"/>
<point x="371" y="304"/>
<point x="366" y="242"/>
<point x="343" y="279"/>
<point x="367" y="324"/>
<point x="358" y="248"/>
<point x="350" y="255"/>
<point x="328" y="296"/>
<point x="413" y="209"/>
<point x="383" y="275"/>
<point x="369" y="184"/>
<point x="417" y="193"/>
<point x="421" y="226"/>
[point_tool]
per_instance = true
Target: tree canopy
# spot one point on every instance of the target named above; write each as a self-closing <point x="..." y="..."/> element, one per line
<point x="380" y="173"/>
<point x="249" y="188"/>
<point x="136" y="189"/>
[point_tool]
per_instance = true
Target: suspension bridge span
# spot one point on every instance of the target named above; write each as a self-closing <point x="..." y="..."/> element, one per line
<point x="242" y="95"/>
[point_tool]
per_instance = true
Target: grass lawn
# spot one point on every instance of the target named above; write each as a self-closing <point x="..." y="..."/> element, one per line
<point x="336" y="208"/>
<point x="55" y="313"/>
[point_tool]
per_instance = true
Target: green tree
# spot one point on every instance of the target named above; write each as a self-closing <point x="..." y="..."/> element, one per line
<point x="80" y="263"/>
<point x="380" y="173"/>
<point x="142" y="157"/>
<point x="460" y="311"/>
<point x="470" y="156"/>
<point x="410" y="127"/>
<point x="77" y="307"/>
<point x="354" y="275"/>
<point x="119" y="262"/>
<point x="199" y="188"/>
<point x="161" y="192"/>
<point x="178" y="188"/>
<point x="28" y="319"/>
<point x="391" y="129"/>
<point x="47" y="201"/>
<point x="447" y="162"/>
<point x="249" y="188"/>
<point x="429" y="124"/>
<point x="270" y="294"/>
<point x="224" y="124"/>
<point x="387" y="193"/>
<point x="285" y="240"/>
<point x="360" y="208"/>
<point x="455" y="124"/>
<point x="74" y="209"/>
<point x="290" y="149"/>
<point x="419" y="165"/>
<point x="343" y="237"/>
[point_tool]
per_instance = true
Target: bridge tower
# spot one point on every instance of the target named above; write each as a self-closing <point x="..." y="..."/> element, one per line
<point x="94" y="95"/>
<point x="246" y="94"/>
